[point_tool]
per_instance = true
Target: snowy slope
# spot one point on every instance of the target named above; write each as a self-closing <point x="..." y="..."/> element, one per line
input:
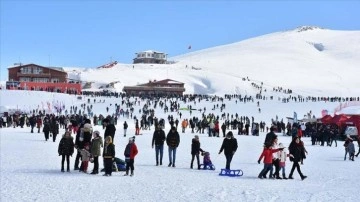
<point x="308" y="60"/>
<point x="30" y="167"/>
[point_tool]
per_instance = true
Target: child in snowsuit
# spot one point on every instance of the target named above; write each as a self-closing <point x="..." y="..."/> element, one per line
<point x="282" y="157"/>
<point x="351" y="150"/>
<point x="268" y="157"/>
<point x="85" y="157"/>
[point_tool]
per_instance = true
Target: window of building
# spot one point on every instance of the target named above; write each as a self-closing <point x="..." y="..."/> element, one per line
<point x="37" y="70"/>
<point x="25" y="70"/>
<point x="143" y="55"/>
<point x="148" y="54"/>
<point x="25" y="79"/>
<point x="41" y="80"/>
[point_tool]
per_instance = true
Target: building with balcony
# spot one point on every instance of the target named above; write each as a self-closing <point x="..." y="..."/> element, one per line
<point x="150" y="57"/>
<point x="36" y="77"/>
<point x="156" y="88"/>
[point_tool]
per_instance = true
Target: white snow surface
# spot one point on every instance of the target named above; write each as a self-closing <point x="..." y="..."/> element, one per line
<point x="30" y="166"/>
<point x="309" y="60"/>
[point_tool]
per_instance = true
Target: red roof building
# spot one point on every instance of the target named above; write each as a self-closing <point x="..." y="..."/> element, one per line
<point x="36" y="77"/>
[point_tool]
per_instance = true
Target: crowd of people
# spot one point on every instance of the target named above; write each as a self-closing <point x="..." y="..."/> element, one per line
<point x="89" y="145"/>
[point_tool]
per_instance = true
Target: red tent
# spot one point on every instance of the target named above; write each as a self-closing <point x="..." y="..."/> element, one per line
<point x="339" y="119"/>
<point x="326" y="119"/>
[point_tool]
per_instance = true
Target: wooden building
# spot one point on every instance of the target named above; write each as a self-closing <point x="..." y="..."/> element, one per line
<point x="150" y="57"/>
<point x="36" y="77"/>
<point x="157" y="88"/>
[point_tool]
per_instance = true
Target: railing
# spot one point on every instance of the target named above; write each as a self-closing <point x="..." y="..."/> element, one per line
<point x="33" y="75"/>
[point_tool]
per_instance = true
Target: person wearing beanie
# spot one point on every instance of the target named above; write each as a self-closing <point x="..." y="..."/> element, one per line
<point x="130" y="152"/>
<point x="229" y="146"/>
<point x="173" y="141"/>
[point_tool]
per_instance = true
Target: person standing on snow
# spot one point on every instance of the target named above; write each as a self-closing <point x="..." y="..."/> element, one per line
<point x="66" y="149"/>
<point x="195" y="151"/>
<point x="110" y="129"/>
<point x="130" y="152"/>
<point x="173" y="141"/>
<point x="229" y="146"/>
<point x="158" y="140"/>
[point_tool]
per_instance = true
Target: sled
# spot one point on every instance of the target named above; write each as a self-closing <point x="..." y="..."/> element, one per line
<point x="231" y="173"/>
<point x="207" y="167"/>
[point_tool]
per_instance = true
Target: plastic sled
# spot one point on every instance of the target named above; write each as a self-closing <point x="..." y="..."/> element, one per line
<point x="207" y="167"/>
<point x="231" y="173"/>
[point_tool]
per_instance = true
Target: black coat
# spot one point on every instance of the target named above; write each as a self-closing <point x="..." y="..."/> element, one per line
<point x="85" y="140"/>
<point x="173" y="139"/>
<point x="66" y="146"/>
<point x="158" y="138"/>
<point x="109" y="151"/>
<point x="46" y="127"/>
<point x="229" y="145"/>
<point x="297" y="150"/>
<point x="110" y="131"/>
<point x="195" y="147"/>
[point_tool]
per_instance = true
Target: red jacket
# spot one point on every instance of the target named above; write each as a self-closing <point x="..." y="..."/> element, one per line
<point x="133" y="151"/>
<point x="267" y="154"/>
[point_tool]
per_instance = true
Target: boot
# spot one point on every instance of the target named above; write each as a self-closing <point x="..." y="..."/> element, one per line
<point x="132" y="173"/>
<point x="290" y="177"/>
<point x="303" y="177"/>
<point x="126" y="173"/>
<point x="62" y="168"/>
<point x="284" y="177"/>
<point x="170" y="164"/>
<point x="191" y="166"/>
<point x="278" y="177"/>
<point x="157" y="163"/>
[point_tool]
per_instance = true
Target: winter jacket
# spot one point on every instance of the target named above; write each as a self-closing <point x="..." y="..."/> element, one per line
<point x="109" y="151"/>
<point x="66" y="146"/>
<point x="83" y="136"/>
<point x="282" y="156"/>
<point x="54" y="128"/>
<point x="229" y="145"/>
<point x="46" y="127"/>
<point x="110" y="131"/>
<point x="96" y="143"/>
<point x="130" y="151"/>
<point x="351" y="147"/>
<point x="195" y="147"/>
<point x="173" y="139"/>
<point x="85" y="154"/>
<point x="125" y="125"/>
<point x="297" y="151"/>
<point x="268" y="155"/>
<point x="158" y="138"/>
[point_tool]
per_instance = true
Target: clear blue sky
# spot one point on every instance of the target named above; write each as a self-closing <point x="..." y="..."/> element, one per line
<point x="89" y="33"/>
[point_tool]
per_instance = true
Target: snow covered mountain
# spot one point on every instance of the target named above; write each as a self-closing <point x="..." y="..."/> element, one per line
<point x="308" y="60"/>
